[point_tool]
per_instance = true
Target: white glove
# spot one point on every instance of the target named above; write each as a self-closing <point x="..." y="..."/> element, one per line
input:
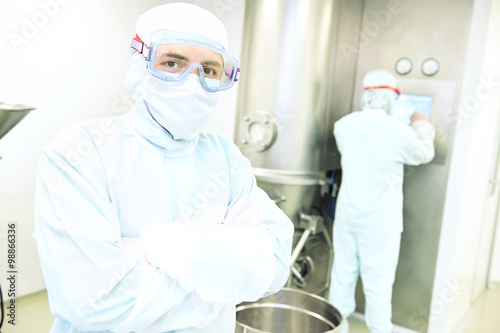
<point x="424" y="129"/>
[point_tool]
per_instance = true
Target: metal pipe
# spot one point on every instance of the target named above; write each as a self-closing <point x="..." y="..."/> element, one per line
<point x="299" y="246"/>
<point x="279" y="200"/>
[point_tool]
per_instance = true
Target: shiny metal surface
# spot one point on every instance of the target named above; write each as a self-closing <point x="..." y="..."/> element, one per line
<point x="313" y="264"/>
<point x="292" y="72"/>
<point x="288" y="177"/>
<point x="295" y="84"/>
<point x="296" y="198"/>
<point x="10" y="115"/>
<point x="289" y="311"/>
<point x="297" y="190"/>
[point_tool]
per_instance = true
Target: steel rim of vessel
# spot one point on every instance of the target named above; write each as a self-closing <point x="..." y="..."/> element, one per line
<point x="287" y="177"/>
<point x="283" y="306"/>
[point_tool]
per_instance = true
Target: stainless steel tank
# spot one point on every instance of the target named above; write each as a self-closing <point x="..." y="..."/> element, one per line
<point x="296" y="82"/>
<point x="297" y="79"/>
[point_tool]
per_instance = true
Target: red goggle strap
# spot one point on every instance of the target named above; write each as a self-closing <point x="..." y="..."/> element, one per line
<point x="138" y="45"/>
<point x="396" y="90"/>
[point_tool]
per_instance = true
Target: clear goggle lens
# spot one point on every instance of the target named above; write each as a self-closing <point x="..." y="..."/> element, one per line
<point x="174" y="60"/>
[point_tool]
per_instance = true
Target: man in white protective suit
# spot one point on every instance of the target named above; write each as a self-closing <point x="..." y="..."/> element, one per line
<point x="374" y="146"/>
<point x="161" y="226"/>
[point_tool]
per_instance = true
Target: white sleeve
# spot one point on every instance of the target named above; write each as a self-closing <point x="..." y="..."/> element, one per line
<point x="277" y="225"/>
<point x="92" y="281"/>
<point x="419" y="145"/>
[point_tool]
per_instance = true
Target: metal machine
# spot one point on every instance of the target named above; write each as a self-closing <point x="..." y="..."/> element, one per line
<point x="296" y="84"/>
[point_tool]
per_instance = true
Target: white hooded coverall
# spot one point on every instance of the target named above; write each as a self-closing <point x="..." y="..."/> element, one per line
<point x="212" y="238"/>
<point x="369" y="214"/>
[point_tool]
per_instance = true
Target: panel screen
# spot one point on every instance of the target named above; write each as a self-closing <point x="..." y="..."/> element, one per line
<point x="406" y="104"/>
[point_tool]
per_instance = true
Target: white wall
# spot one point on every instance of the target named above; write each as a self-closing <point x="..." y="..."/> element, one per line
<point x="495" y="67"/>
<point x="474" y="157"/>
<point x="495" y="259"/>
<point x="68" y="59"/>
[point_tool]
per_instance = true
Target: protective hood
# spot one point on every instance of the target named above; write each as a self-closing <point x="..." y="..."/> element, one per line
<point x="178" y="17"/>
<point x="165" y="104"/>
<point x="380" y="91"/>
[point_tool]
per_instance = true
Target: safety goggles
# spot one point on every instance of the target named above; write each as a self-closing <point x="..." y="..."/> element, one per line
<point x="172" y="56"/>
<point x="396" y="90"/>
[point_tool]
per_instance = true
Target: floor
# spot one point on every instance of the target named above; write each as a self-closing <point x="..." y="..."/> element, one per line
<point x="487" y="314"/>
<point x="33" y="315"/>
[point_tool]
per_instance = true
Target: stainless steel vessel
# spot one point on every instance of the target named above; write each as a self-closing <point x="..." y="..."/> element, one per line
<point x="290" y="311"/>
<point x="295" y="84"/>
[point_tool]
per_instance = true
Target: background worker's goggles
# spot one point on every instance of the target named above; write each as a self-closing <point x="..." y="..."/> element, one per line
<point x="396" y="90"/>
<point x="172" y="56"/>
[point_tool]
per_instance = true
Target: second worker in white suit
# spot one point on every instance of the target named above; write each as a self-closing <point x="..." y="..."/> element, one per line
<point x="374" y="148"/>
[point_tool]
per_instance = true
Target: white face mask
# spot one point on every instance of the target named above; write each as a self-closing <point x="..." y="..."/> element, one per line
<point x="182" y="108"/>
